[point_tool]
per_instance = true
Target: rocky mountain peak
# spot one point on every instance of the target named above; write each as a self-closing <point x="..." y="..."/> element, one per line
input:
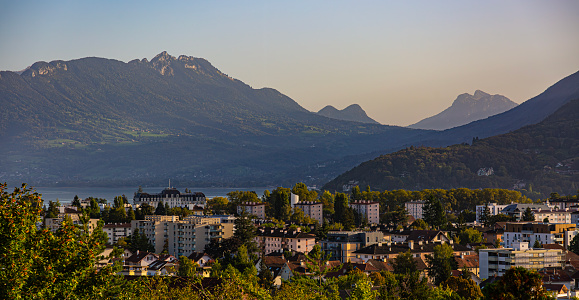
<point x="480" y="94"/>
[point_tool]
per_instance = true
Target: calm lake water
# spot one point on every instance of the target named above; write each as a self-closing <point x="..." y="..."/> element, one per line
<point x="66" y="194"/>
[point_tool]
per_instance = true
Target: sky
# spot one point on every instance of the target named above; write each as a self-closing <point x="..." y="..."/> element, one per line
<point x="402" y="61"/>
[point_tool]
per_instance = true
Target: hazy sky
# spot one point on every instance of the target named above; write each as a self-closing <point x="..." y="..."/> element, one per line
<point x="400" y="60"/>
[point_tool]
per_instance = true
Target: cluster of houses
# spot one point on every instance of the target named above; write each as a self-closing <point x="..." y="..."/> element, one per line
<point x="536" y="245"/>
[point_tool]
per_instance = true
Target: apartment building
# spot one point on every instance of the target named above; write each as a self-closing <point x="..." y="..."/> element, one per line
<point x="311" y="209"/>
<point x="68" y="212"/>
<point x="494" y="209"/>
<point x="553" y="215"/>
<point x="279" y="240"/>
<point x="342" y="244"/>
<point x="498" y="261"/>
<point x="368" y="209"/>
<point x="414" y="208"/>
<point x="116" y="231"/>
<point x="545" y="233"/>
<point x="184" y="237"/>
<point x="252" y="208"/>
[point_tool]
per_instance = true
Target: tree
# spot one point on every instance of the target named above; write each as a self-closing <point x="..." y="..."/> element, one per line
<point x="404" y="263"/>
<point x="161" y="210"/>
<point x="399" y="216"/>
<point x="434" y="213"/>
<point x="76" y="201"/>
<point x="465" y="288"/>
<point x="537" y="244"/>
<point x="187" y="267"/>
<point x="419" y="225"/>
<point x="469" y="236"/>
<point x="485" y="215"/>
<point x="528" y="215"/>
<point x="139" y="241"/>
<point x="245" y="232"/>
<point x="546" y="220"/>
<point x="41" y="264"/>
<point x="517" y="283"/>
<point x="574" y="245"/>
<point x="218" y="205"/>
<point x="302" y="191"/>
<point x="440" y="263"/>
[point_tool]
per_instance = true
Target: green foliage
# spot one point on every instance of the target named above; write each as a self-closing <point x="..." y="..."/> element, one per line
<point x="40" y="264"/>
<point x="574" y="245"/>
<point x="517" y="283"/>
<point x="278" y="204"/>
<point x="398" y="216"/>
<point x="465" y="288"/>
<point x="404" y="263"/>
<point x="528" y="215"/>
<point x="469" y="236"/>
<point x="187" y="267"/>
<point x="218" y="205"/>
<point x="139" y="241"/>
<point x="434" y="213"/>
<point x="304" y="193"/>
<point x="440" y="263"/>
<point x="531" y="154"/>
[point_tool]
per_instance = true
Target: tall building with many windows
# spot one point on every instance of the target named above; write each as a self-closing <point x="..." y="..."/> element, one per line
<point x="368" y="209"/>
<point x="498" y="261"/>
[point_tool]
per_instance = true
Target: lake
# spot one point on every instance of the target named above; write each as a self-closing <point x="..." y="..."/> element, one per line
<point x="66" y="194"/>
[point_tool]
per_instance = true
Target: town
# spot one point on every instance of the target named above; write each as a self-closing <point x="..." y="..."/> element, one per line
<point x="396" y="244"/>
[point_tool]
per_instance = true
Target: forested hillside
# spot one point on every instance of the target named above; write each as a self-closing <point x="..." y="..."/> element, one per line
<point x="537" y="159"/>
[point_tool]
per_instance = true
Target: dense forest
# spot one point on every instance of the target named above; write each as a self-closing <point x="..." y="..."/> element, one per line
<point x="537" y="160"/>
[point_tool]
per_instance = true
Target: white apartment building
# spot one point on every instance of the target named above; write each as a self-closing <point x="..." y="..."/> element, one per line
<point x="494" y="209"/>
<point x="414" y="208"/>
<point x="369" y="209"/>
<point x="545" y="233"/>
<point x="498" y="261"/>
<point x="554" y="215"/>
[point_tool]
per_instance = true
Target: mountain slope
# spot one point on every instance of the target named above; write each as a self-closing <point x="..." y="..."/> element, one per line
<point x="465" y="109"/>
<point x="529" y="112"/>
<point x="351" y="113"/>
<point x="540" y="158"/>
<point x="101" y="121"/>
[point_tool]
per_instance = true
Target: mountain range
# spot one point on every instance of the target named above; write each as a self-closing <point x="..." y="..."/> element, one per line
<point x="96" y="121"/>
<point x="465" y="109"/>
<point x="351" y="113"/>
<point x="537" y="159"/>
<point x="99" y="121"/>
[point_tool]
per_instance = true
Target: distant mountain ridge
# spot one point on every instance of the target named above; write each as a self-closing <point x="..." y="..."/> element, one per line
<point x="351" y="113"/>
<point x="465" y="109"/>
<point x="103" y="122"/>
<point x="537" y="159"/>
